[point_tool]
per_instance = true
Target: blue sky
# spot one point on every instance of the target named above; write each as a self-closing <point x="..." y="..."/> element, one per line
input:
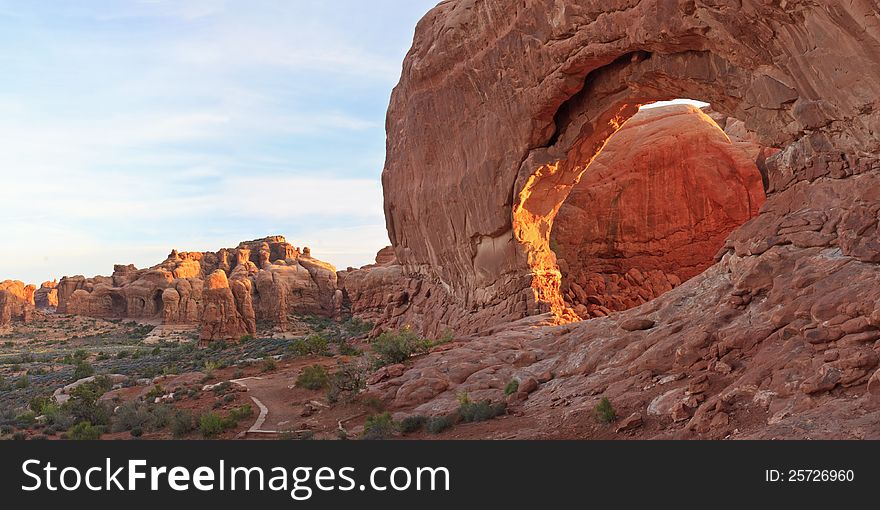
<point x="131" y="127"/>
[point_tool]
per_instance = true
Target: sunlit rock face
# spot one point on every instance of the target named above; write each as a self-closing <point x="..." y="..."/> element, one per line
<point x="501" y="107"/>
<point x="224" y="292"/>
<point x="16" y="302"/>
<point x="652" y="210"/>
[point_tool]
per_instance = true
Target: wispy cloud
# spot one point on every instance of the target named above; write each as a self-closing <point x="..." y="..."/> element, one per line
<point x="128" y="127"/>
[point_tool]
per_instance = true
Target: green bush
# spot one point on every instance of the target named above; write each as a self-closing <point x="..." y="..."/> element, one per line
<point x="154" y="393"/>
<point x="347" y="382"/>
<point x="84" y="431"/>
<point x="210" y="425"/>
<point x="314" y="377"/>
<point x="82" y="371"/>
<point x="247" y="338"/>
<point x="379" y="426"/>
<point x="137" y="432"/>
<point x="512" y="387"/>
<point x="438" y="424"/>
<point x="240" y="413"/>
<point x="313" y="345"/>
<point x="269" y="364"/>
<point x="222" y="388"/>
<point x="39" y="403"/>
<point x="181" y="423"/>
<point x="413" y="423"/>
<point x="605" y="411"/>
<point x="26" y="420"/>
<point x="22" y="382"/>
<point x="83" y="404"/>
<point x="346" y="349"/>
<point x="480" y="411"/>
<point x="391" y="348"/>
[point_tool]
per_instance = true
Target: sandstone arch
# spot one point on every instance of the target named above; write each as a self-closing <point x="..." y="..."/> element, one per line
<point x="501" y="107"/>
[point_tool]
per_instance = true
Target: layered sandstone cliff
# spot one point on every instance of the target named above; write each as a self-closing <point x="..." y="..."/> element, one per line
<point x="501" y="108"/>
<point x="225" y="292"/>
<point x="16" y="301"/>
<point x="652" y="210"/>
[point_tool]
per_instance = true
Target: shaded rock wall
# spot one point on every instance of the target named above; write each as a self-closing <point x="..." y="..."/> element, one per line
<point x="501" y="107"/>
<point x="652" y="210"/>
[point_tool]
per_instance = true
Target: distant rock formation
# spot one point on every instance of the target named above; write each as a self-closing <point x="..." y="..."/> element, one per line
<point x="46" y="297"/>
<point x="652" y="210"/>
<point x="225" y="292"/>
<point x="16" y="302"/>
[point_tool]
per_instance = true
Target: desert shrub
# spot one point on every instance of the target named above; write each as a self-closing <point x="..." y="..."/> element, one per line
<point x="154" y="393"/>
<point x="346" y="349"/>
<point x="268" y="364"/>
<point x="181" y="423"/>
<point x="83" y="404"/>
<point x="19" y="435"/>
<point x="22" y="382"/>
<point x="413" y="423"/>
<point x="210" y="425"/>
<point x="137" y="432"/>
<point x="84" y="431"/>
<point x="247" y="338"/>
<point x="156" y="351"/>
<point x="469" y="411"/>
<point x="438" y="424"/>
<point x="373" y="403"/>
<point x="222" y="388"/>
<point x="512" y="387"/>
<point x="605" y="411"/>
<point x="123" y="354"/>
<point x="445" y="338"/>
<point x="4" y="384"/>
<point x="314" y="377"/>
<point x="130" y="416"/>
<point x="210" y="367"/>
<point x="396" y="347"/>
<point x="347" y="382"/>
<point x="26" y="420"/>
<point x="313" y="345"/>
<point x="38" y="403"/>
<point x="240" y="413"/>
<point x="379" y="426"/>
<point x="82" y="371"/>
<point x="480" y="411"/>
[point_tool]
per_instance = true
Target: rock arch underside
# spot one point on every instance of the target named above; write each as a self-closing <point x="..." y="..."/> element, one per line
<point x="500" y="111"/>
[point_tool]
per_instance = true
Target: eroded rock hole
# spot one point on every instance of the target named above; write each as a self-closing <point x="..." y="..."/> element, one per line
<point x="653" y="209"/>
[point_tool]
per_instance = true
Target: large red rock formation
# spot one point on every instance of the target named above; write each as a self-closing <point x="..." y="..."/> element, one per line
<point x="267" y="279"/>
<point x="46" y="297"/>
<point x="16" y="301"/>
<point x="501" y="107"/>
<point x="652" y="210"/>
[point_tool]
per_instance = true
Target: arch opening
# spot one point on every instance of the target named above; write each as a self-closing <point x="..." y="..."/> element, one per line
<point x="653" y="209"/>
<point x="586" y="120"/>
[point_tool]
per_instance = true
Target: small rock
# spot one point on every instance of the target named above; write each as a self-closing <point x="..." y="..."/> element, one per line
<point x="528" y="386"/>
<point x="633" y="422"/>
<point x="680" y="412"/>
<point x="638" y="325"/>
